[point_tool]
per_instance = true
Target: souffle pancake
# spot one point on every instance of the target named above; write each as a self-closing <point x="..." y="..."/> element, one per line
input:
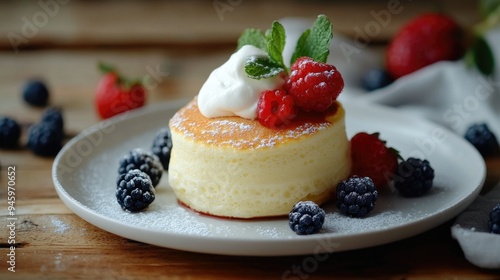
<point x="260" y="135"/>
<point x="235" y="167"/>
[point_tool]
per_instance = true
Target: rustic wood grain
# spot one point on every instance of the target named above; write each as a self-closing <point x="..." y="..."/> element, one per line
<point x="54" y="246"/>
<point x="185" y="40"/>
<point x="54" y="243"/>
<point x="138" y="23"/>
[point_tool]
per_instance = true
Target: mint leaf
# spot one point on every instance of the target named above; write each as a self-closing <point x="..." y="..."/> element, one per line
<point x="254" y="37"/>
<point x="320" y="38"/>
<point x="276" y="42"/>
<point x="300" y="49"/>
<point x="262" y="68"/>
<point x="315" y="43"/>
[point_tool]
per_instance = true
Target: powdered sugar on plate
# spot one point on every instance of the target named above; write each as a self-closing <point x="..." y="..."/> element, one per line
<point x="85" y="173"/>
<point x="97" y="192"/>
<point x="338" y="223"/>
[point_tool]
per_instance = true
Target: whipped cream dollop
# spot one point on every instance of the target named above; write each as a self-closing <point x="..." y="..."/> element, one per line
<point x="228" y="91"/>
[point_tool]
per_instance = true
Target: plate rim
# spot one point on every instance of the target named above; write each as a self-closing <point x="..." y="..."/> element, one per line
<point x="89" y="215"/>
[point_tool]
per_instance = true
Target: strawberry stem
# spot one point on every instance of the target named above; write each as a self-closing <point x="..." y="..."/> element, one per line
<point x="489" y="22"/>
<point x="396" y="153"/>
<point x="129" y="83"/>
<point x="106" y="68"/>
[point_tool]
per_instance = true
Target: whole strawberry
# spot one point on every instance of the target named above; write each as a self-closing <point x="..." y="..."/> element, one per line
<point x="115" y="95"/>
<point x="314" y="85"/>
<point x="372" y="158"/>
<point x="427" y="39"/>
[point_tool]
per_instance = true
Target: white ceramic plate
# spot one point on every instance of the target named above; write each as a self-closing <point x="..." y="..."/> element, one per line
<point x="85" y="171"/>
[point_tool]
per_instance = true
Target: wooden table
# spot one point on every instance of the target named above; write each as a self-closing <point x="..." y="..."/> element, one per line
<point x="186" y="40"/>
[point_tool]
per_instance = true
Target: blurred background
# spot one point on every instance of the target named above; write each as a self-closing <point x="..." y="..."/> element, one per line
<point x="87" y="24"/>
<point x="172" y="47"/>
<point x="178" y="43"/>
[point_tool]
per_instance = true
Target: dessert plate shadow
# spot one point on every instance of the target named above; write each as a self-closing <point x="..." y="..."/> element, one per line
<point x="85" y="170"/>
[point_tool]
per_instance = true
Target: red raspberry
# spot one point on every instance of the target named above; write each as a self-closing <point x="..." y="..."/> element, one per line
<point x="314" y="85"/>
<point x="275" y="108"/>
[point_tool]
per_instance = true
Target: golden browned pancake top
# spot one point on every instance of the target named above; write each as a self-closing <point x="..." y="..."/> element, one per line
<point x="243" y="133"/>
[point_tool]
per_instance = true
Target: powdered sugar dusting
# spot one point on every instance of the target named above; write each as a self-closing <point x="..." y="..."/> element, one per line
<point x="97" y="192"/>
<point x="226" y="128"/>
<point x="178" y="122"/>
<point x="60" y="227"/>
<point x="237" y="132"/>
<point x="338" y="223"/>
<point x="88" y="182"/>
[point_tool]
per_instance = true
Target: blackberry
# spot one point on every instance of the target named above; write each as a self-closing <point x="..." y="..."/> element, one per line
<point x="494" y="221"/>
<point x="375" y="78"/>
<point x="10" y="132"/>
<point x="36" y="93"/>
<point x="54" y="116"/>
<point x="162" y="146"/>
<point x="306" y="217"/>
<point x="45" y="139"/>
<point x="134" y="190"/>
<point x="145" y="162"/>
<point x="356" y="196"/>
<point x="483" y="139"/>
<point x="414" y="177"/>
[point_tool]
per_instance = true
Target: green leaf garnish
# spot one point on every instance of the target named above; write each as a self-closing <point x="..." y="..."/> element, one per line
<point x="315" y="42"/>
<point x="481" y="56"/>
<point x="262" y="68"/>
<point x="487" y="7"/>
<point x="254" y="37"/>
<point x="479" y="53"/>
<point x="276" y="43"/>
<point x="300" y="47"/>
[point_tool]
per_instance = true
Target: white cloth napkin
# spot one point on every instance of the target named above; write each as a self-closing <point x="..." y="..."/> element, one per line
<point x="447" y="93"/>
<point x="470" y="230"/>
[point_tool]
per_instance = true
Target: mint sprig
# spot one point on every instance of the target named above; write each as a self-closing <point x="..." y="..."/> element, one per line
<point x="262" y="68"/>
<point x="254" y="37"/>
<point x="314" y="43"/>
<point x="276" y="43"/>
<point x="273" y="42"/>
